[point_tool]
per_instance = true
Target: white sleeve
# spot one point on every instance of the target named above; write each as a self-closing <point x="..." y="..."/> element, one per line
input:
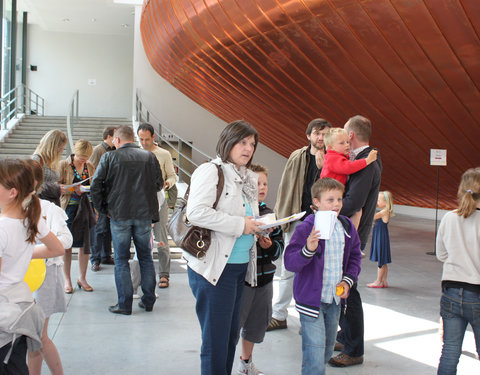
<point x="43" y="229"/>
<point x="58" y="225"/>
<point x="3" y="241"/>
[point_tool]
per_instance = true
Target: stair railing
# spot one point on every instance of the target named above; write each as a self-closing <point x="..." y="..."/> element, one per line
<point x="184" y="164"/>
<point x="72" y="119"/>
<point x="21" y="99"/>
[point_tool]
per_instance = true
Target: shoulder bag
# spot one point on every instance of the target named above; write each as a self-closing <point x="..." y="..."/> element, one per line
<point x="194" y="240"/>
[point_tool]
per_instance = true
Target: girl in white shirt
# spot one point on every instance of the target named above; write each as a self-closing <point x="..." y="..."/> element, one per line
<point x="458" y="247"/>
<point x="20" y="226"/>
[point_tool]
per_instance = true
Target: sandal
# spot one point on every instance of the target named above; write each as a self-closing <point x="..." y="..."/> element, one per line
<point x="163" y="283"/>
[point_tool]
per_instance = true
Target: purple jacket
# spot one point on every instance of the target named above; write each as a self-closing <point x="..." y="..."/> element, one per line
<point x="308" y="265"/>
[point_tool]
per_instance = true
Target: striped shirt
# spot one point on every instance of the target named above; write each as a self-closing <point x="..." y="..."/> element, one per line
<point x="332" y="269"/>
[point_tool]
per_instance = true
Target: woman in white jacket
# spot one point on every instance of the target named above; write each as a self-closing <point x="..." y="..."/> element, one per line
<point x="217" y="281"/>
<point x="458" y="246"/>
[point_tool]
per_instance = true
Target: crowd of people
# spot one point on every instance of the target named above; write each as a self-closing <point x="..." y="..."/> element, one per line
<point x="50" y="205"/>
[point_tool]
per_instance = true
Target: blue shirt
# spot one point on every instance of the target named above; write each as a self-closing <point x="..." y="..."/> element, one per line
<point x="241" y="249"/>
<point x="332" y="269"/>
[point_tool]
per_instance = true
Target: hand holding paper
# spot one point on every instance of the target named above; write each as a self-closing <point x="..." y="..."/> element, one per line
<point x="324" y="223"/>
<point x="312" y="239"/>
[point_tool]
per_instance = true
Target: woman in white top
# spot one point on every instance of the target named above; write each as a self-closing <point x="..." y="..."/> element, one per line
<point x="458" y="246"/>
<point x="217" y="281"/>
<point x="20" y="226"/>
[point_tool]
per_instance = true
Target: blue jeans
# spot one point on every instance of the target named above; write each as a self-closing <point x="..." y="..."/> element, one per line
<point x="218" y="311"/>
<point x="101" y="240"/>
<point x="458" y="307"/>
<point x="122" y="233"/>
<point x="318" y="338"/>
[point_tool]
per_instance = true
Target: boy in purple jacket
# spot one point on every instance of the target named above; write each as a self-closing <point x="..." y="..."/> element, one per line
<point x="320" y="267"/>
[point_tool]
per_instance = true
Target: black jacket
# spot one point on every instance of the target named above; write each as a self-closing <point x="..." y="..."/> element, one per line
<point x="361" y="192"/>
<point x="125" y="184"/>
<point x="265" y="257"/>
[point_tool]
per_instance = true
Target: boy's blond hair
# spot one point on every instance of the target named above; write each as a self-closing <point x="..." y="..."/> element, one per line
<point x="331" y="135"/>
<point x="257" y="168"/>
<point x="325" y="184"/>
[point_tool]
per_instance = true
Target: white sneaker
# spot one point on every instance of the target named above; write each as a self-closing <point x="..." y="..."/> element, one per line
<point x="136" y="296"/>
<point x="248" y="368"/>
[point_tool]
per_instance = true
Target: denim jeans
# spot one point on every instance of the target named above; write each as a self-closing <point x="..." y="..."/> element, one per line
<point x="122" y="233"/>
<point x="458" y="307"/>
<point x="218" y="311"/>
<point x="318" y="338"/>
<point x="101" y="240"/>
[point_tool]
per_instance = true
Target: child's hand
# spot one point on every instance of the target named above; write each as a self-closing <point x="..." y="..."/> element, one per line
<point x="312" y="239"/>
<point x="319" y="157"/>
<point x="265" y="242"/>
<point x="372" y="156"/>
<point x="346" y="289"/>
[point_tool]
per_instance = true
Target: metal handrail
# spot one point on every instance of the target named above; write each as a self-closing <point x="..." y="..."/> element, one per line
<point x="72" y="117"/>
<point x="19" y="100"/>
<point x="164" y="134"/>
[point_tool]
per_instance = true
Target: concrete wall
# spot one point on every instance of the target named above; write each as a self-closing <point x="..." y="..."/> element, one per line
<point x="186" y="118"/>
<point x="66" y="62"/>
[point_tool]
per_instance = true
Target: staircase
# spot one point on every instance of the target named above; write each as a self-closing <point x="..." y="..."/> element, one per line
<point x="23" y="140"/>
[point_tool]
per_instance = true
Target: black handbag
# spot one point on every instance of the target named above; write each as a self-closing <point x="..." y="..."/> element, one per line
<point x="194" y="240"/>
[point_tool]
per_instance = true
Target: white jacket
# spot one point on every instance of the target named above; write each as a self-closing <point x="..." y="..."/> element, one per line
<point x="458" y="246"/>
<point x="227" y="221"/>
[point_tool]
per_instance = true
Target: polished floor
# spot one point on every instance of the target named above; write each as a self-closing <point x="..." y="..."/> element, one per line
<point x="401" y="322"/>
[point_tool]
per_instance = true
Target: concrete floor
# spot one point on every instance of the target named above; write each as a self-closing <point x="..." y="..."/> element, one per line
<point x="401" y="322"/>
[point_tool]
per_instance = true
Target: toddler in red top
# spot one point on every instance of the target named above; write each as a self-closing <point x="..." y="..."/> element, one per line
<point x="337" y="164"/>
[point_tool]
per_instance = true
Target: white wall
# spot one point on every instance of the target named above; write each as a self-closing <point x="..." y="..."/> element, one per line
<point x="66" y="61"/>
<point x="188" y="119"/>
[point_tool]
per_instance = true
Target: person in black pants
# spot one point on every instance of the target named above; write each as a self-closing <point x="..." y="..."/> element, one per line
<point x="361" y="193"/>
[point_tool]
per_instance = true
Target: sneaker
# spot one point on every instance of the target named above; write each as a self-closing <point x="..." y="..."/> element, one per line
<point x="277" y="324"/>
<point x="248" y="368"/>
<point x="344" y="360"/>
<point x="136" y="296"/>
<point x="363" y="253"/>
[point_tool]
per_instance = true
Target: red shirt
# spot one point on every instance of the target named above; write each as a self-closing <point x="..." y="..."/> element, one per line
<point x="338" y="166"/>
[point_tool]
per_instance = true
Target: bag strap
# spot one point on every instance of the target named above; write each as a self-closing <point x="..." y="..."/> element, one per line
<point x="221" y="183"/>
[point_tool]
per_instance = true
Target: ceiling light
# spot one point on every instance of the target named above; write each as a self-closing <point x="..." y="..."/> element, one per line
<point x="93" y="20"/>
<point x="125" y="25"/>
<point x="66" y="20"/>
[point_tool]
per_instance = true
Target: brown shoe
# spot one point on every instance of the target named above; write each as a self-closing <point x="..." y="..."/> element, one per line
<point x="338" y="346"/>
<point x="276" y="324"/>
<point x="344" y="360"/>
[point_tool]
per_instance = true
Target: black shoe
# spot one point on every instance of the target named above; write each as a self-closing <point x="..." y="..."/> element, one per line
<point x="117" y="310"/>
<point x="108" y="261"/>
<point x="142" y="306"/>
<point x="95" y="267"/>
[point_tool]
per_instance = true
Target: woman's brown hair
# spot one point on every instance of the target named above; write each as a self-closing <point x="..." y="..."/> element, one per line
<point x="469" y="192"/>
<point x="17" y="174"/>
<point x="231" y="135"/>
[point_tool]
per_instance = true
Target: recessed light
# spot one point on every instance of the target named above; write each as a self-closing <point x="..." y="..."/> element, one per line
<point x="125" y="25"/>
<point x="66" y="20"/>
<point x="93" y="20"/>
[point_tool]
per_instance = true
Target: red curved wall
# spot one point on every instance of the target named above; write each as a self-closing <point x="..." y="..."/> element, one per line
<point x="411" y="66"/>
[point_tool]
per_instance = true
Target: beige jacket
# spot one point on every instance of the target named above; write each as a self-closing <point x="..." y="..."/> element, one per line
<point x="166" y="165"/>
<point x="66" y="178"/>
<point x="290" y="190"/>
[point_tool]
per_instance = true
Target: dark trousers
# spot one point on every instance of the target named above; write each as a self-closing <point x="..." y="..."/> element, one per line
<point x="101" y="240"/>
<point x="351" y="325"/>
<point x="218" y="311"/>
<point x="17" y="363"/>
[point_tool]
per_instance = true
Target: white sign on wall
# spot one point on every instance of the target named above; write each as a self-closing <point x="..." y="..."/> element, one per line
<point x="92" y="82"/>
<point x="438" y="157"/>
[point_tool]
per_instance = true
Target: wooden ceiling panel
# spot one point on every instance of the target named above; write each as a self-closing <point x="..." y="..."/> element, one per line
<point x="411" y="66"/>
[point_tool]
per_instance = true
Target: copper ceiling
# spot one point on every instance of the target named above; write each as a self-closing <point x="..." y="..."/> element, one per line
<point x="411" y="66"/>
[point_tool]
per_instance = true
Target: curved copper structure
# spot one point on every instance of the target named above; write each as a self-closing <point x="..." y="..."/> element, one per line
<point x="411" y="66"/>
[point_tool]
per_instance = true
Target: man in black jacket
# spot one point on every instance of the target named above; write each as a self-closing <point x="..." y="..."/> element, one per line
<point x="125" y="187"/>
<point x="361" y="193"/>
